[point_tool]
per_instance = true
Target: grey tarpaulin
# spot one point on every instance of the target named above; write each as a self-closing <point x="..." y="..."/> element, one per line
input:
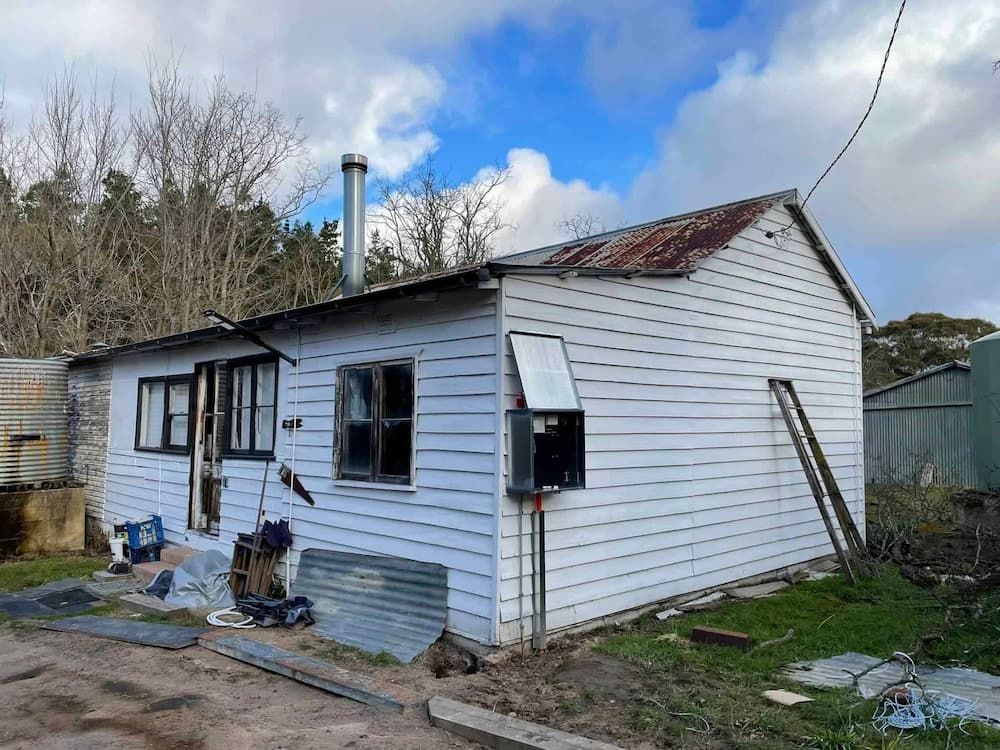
<point x="201" y="581"/>
<point x="375" y="603"/>
<point x="836" y="671"/>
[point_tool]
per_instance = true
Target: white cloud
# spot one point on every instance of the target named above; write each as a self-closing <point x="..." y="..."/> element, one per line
<point x="351" y="71"/>
<point x="915" y="204"/>
<point x="535" y="202"/>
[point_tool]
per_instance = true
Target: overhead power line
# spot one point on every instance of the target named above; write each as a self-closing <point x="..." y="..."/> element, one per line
<point x="871" y="105"/>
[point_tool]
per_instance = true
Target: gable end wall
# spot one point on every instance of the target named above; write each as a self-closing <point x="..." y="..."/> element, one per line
<point x="692" y="480"/>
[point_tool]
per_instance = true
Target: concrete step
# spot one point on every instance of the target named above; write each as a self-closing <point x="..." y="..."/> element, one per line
<point x="149" y="605"/>
<point x="147" y="571"/>
<point x="175" y="554"/>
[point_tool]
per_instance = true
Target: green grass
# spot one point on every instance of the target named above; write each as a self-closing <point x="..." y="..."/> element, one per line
<point x="723" y="685"/>
<point x="23" y="574"/>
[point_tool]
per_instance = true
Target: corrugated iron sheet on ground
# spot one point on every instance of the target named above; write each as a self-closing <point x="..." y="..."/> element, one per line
<point x="837" y="671"/>
<point x="377" y="604"/>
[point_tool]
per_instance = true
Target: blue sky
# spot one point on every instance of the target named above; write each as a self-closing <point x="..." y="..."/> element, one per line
<point x="624" y="111"/>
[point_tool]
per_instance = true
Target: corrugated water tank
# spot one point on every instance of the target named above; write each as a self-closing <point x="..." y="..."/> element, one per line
<point x="33" y="424"/>
<point x="984" y="355"/>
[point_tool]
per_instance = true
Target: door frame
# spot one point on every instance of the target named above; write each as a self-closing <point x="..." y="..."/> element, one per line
<point x="206" y="377"/>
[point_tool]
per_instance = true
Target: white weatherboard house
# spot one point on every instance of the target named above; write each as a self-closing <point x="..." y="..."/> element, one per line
<point x="671" y="329"/>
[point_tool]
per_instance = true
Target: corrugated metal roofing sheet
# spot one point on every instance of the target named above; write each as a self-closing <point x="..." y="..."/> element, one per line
<point x="33" y="424"/>
<point x="837" y="671"/>
<point x="375" y="603"/>
<point x="920" y="429"/>
<point x="673" y="244"/>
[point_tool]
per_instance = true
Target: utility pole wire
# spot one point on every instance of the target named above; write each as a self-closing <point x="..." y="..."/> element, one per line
<point x="871" y="105"/>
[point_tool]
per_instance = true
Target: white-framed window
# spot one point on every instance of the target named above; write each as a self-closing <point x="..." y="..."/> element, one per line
<point x="375" y="422"/>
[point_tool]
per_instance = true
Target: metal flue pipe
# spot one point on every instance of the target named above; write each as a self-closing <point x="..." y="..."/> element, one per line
<point x="354" y="167"/>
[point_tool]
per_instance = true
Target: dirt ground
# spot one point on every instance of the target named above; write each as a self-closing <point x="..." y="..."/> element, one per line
<point x="68" y="691"/>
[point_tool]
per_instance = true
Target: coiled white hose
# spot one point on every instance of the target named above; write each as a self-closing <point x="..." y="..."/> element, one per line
<point x="216" y="619"/>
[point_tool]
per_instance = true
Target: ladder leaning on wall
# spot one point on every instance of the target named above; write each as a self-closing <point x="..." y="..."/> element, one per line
<point x="820" y="476"/>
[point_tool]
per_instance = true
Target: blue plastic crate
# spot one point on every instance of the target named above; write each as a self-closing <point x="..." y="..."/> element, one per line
<point x="145" y="539"/>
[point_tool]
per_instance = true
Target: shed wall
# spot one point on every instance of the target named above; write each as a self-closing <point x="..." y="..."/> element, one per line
<point x="922" y="432"/>
<point x="448" y="517"/>
<point x="88" y="410"/>
<point x="692" y="480"/>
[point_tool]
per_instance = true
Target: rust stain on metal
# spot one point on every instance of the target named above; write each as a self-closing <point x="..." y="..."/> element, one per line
<point x="672" y="244"/>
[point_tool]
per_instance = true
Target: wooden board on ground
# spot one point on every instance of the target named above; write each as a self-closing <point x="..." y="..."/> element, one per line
<point x="305" y="669"/>
<point x="503" y="732"/>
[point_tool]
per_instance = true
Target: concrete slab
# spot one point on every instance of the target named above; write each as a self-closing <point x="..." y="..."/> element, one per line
<point x="702" y="602"/>
<point x="149" y="605"/>
<point x="668" y="613"/>
<point x="305" y="669"/>
<point x="174" y="554"/>
<point x="756" y="592"/>
<point x="113" y="589"/>
<point x="103" y="576"/>
<point x="504" y="732"/>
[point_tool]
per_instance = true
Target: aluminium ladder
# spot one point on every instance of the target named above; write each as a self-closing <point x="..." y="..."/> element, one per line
<point x="855" y="555"/>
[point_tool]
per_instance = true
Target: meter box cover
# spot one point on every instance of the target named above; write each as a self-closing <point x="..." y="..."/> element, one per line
<point x="545" y="439"/>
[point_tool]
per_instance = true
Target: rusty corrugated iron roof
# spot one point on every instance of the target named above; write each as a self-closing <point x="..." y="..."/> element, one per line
<point x="674" y="244"/>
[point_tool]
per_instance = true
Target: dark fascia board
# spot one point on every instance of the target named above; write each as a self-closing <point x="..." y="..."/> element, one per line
<point x="465" y="277"/>
<point x="919" y="376"/>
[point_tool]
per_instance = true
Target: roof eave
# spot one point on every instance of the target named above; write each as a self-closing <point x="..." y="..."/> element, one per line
<point x="863" y="310"/>
<point x="464" y="277"/>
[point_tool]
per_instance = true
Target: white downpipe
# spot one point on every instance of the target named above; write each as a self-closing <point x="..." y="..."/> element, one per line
<point x="291" y="479"/>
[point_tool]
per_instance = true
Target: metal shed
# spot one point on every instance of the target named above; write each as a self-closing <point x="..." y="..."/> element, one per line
<point x="919" y="429"/>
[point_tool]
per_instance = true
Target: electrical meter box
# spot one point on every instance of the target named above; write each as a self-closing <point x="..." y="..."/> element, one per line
<point x="545" y="451"/>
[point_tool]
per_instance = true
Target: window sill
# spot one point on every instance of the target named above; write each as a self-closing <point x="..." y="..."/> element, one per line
<point x="168" y="451"/>
<point x="247" y="456"/>
<point x="374" y="485"/>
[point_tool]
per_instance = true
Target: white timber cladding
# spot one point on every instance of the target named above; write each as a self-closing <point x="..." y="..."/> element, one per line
<point x="88" y="409"/>
<point x="448" y="516"/>
<point x="692" y="480"/>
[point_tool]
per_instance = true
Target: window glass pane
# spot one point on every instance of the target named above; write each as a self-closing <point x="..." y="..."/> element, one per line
<point x="179" y="431"/>
<point x="264" y="437"/>
<point x="151" y="415"/>
<point x="239" y="433"/>
<point x="396" y="447"/>
<point x="357" y="456"/>
<point x="397" y="391"/>
<point x="180" y="394"/>
<point x="358" y="393"/>
<point x="266" y="375"/>
<point x="544" y="369"/>
<point x="241" y="386"/>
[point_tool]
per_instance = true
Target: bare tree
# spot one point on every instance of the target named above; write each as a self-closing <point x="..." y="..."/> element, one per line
<point x="426" y="223"/>
<point x="226" y="171"/>
<point x="581" y="225"/>
<point x="116" y="227"/>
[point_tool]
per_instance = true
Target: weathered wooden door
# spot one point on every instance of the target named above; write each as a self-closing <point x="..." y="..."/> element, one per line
<point x="206" y="456"/>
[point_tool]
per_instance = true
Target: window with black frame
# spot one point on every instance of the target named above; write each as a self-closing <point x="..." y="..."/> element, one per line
<point x="251" y="407"/>
<point x="376" y="422"/>
<point x="163" y="414"/>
